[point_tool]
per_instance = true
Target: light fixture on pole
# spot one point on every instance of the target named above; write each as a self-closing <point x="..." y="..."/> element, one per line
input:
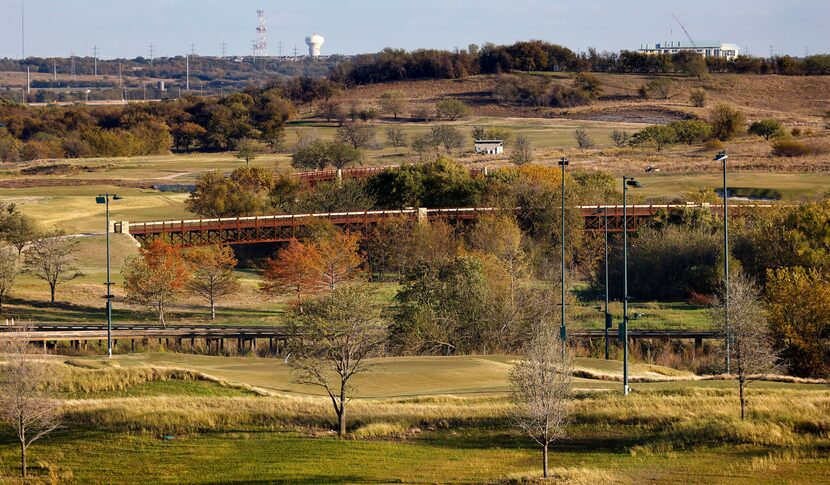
<point x="722" y="157"/>
<point x="627" y="182"/>
<point x="563" y="332"/>
<point x="105" y="199"/>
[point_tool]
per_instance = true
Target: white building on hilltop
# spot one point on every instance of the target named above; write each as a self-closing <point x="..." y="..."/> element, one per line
<point x="706" y="48"/>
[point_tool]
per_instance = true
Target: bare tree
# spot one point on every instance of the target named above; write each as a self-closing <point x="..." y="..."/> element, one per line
<point x="541" y="384"/>
<point x="51" y="258"/>
<point x="342" y="331"/>
<point x="396" y="137"/>
<point x="522" y="151"/>
<point x="357" y="135"/>
<point x="8" y="272"/>
<point x="213" y="276"/>
<point x="583" y="140"/>
<point x="24" y="404"/>
<point x="393" y="102"/>
<point x="750" y="341"/>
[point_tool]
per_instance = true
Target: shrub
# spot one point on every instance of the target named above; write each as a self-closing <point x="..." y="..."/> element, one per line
<point x="692" y="131"/>
<point x="620" y="138"/>
<point x="727" y="122"/>
<point x="658" y="134"/>
<point x="588" y="83"/>
<point x="698" y="97"/>
<point x="766" y="128"/>
<point x="659" y="88"/>
<point x="583" y="141"/>
<point x="789" y="148"/>
<point x="565" y="97"/>
<point x="796" y="132"/>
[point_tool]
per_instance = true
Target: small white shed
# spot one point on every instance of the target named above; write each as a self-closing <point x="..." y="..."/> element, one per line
<point x="490" y="147"/>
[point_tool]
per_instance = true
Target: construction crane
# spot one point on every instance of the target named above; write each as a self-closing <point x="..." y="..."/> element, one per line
<point x="684" y="30"/>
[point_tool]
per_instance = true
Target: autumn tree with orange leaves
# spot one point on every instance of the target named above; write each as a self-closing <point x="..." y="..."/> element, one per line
<point x="213" y="276"/>
<point x="320" y="264"/>
<point x="157" y="276"/>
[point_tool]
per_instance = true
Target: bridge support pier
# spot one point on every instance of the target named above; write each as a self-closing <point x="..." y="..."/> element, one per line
<point x="132" y="345"/>
<point x="698" y="343"/>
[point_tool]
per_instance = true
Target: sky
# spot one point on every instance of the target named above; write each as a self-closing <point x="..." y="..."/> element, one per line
<point x="126" y="28"/>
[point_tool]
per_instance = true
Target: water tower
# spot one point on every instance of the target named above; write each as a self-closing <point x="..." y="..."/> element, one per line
<point x="314" y="42"/>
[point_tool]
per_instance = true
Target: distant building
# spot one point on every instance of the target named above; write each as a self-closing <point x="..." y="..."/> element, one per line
<point x="490" y="147"/>
<point x="705" y="48"/>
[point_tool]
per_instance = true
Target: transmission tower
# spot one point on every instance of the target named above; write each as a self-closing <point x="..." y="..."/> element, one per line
<point x="261" y="42"/>
<point x="224" y="48"/>
<point x="279" y="48"/>
<point x="192" y="49"/>
<point x="152" y="50"/>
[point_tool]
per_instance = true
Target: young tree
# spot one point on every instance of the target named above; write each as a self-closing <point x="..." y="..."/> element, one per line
<point x="288" y="272"/>
<point x="691" y="131"/>
<point x="18" y="230"/>
<point x="452" y="109"/>
<point x="393" y="102"/>
<point x="213" y="276"/>
<point x="246" y="149"/>
<point x="620" y="138"/>
<point x="51" y="258"/>
<point x="583" y="141"/>
<point x="697" y="97"/>
<point x="541" y="384"/>
<point x="342" y="331"/>
<point x="8" y="272"/>
<point x="24" y="404"/>
<point x="660" y="87"/>
<point x="750" y="345"/>
<point x="340" y="154"/>
<point x="727" y="122"/>
<point x="355" y="134"/>
<point x="335" y="259"/>
<point x="766" y="128"/>
<point x="447" y="136"/>
<point x="522" y="151"/>
<point x="396" y="137"/>
<point x="157" y="276"/>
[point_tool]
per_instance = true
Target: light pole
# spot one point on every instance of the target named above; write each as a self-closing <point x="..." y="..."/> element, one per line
<point x="608" y="322"/>
<point x="722" y="157"/>
<point x="563" y="333"/>
<point x="627" y="182"/>
<point x="105" y="199"/>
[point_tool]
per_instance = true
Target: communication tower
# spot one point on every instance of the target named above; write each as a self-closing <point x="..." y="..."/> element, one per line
<point x="261" y="43"/>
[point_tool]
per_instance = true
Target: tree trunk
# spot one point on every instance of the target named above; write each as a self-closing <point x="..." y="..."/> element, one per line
<point x="341" y="413"/>
<point x="212" y="309"/>
<point x="545" y="460"/>
<point x="52" y="292"/>
<point x="161" y="314"/>
<point x="743" y="401"/>
<point x="22" y="460"/>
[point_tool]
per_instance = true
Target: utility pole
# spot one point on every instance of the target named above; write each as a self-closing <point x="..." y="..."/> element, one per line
<point x="563" y="162"/>
<point x="54" y="70"/>
<point x="771" y="51"/>
<point x="722" y="157"/>
<point x="72" y="64"/>
<point x="627" y="182"/>
<point x="95" y="60"/>
<point x="28" y="80"/>
<point x="187" y="76"/>
<point x="608" y="322"/>
<point x="295" y="52"/>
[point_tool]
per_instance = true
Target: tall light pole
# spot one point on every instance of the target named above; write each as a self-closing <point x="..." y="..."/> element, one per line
<point x="722" y="157"/>
<point x="105" y="199"/>
<point x="627" y="182"/>
<point x="563" y="332"/>
<point x="608" y="322"/>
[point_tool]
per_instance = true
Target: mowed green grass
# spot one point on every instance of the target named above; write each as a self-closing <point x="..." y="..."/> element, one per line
<point x="397" y="377"/>
<point x="458" y="456"/>
<point x="792" y="186"/>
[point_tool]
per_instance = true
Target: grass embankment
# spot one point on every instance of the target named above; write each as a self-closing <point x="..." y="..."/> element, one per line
<point x="221" y="433"/>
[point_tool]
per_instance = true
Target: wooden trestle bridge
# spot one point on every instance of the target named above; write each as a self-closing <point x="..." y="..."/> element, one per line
<point x="248" y="338"/>
<point x="281" y="228"/>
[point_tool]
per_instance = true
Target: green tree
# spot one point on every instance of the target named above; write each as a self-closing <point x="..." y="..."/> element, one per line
<point x="589" y="83"/>
<point x="447" y="136"/>
<point x="766" y="128"/>
<point x="246" y="149"/>
<point x="343" y="331"/>
<point x="18" y="229"/>
<point x="9" y="269"/>
<point x="798" y="309"/>
<point x="393" y="102"/>
<point x="52" y="258"/>
<point x="395" y="137"/>
<point x="659" y="88"/>
<point x="660" y="135"/>
<point x="340" y="154"/>
<point x="452" y="109"/>
<point x="697" y="97"/>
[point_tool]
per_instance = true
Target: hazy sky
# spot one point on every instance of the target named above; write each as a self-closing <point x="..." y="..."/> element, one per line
<point x="122" y="28"/>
